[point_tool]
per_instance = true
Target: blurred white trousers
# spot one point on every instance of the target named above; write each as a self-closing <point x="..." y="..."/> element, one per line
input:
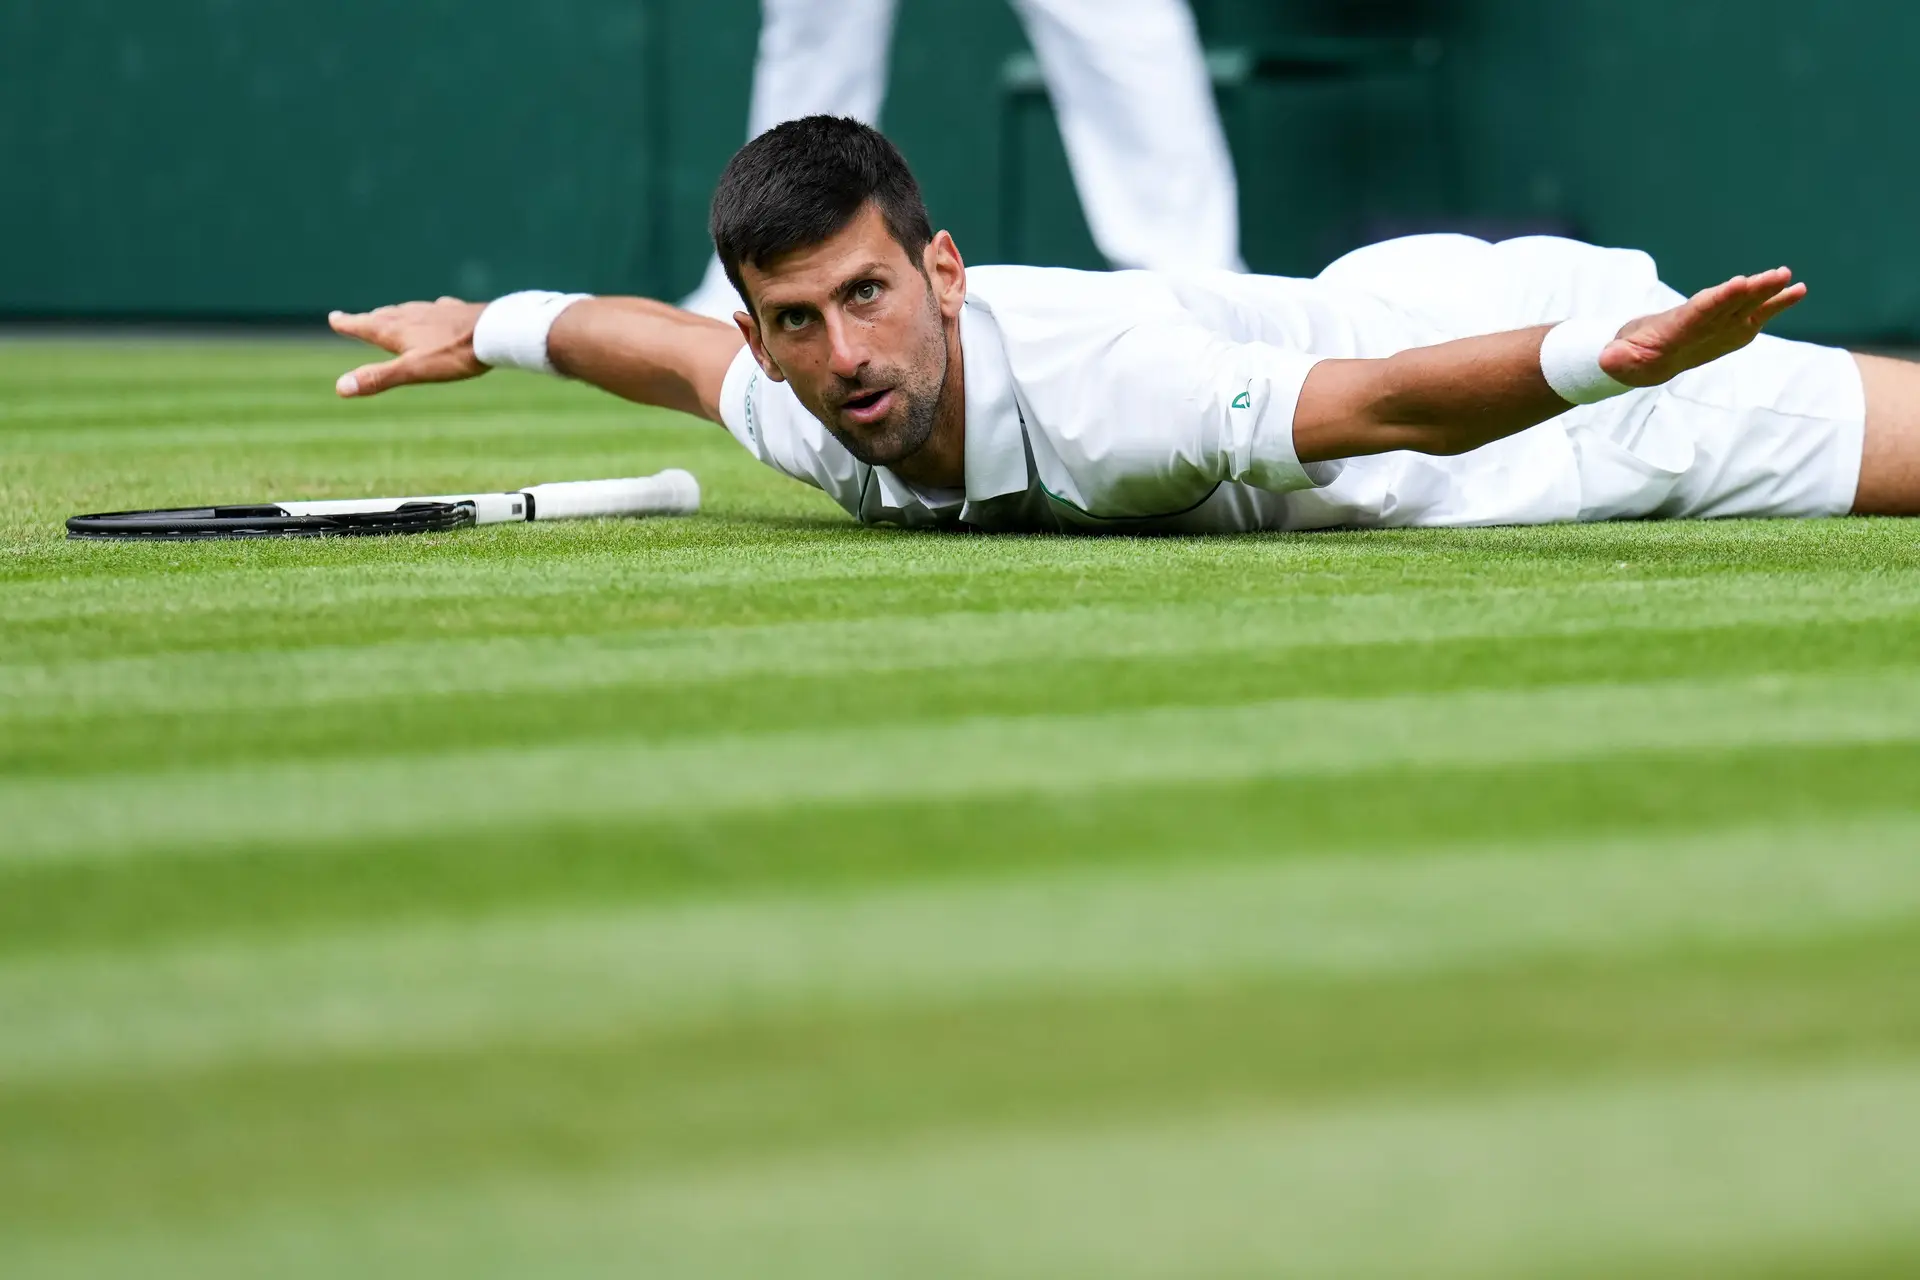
<point x="1129" y="86"/>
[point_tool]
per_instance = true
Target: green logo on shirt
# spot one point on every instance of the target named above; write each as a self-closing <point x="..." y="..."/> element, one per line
<point x="1242" y="401"/>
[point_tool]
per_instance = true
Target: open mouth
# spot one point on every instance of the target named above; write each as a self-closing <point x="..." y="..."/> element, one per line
<point x="868" y="405"/>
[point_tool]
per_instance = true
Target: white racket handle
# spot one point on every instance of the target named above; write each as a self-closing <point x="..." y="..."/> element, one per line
<point x="671" y="493"/>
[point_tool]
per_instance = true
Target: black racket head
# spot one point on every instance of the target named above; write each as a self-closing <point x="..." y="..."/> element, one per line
<point x="192" y="524"/>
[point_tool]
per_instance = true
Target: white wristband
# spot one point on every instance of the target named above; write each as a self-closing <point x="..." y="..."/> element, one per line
<point x="513" y="330"/>
<point x="1570" y="359"/>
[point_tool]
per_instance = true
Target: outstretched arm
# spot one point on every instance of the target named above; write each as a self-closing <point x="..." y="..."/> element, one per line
<point x="637" y="349"/>
<point x="1460" y="395"/>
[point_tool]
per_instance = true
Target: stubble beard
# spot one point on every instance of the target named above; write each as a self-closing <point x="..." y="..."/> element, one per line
<point x="915" y="415"/>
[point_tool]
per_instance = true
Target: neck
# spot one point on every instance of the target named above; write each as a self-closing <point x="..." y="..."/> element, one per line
<point x="941" y="463"/>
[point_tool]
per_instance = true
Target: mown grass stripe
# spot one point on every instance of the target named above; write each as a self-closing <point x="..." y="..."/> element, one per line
<point x="1616" y="1178"/>
<point x="323" y="673"/>
<point x="289" y="803"/>
<point x="396" y="575"/>
<point x="423" y="982"/>
<point x="1695" y="1175"/>
<point x="49" y="429"/>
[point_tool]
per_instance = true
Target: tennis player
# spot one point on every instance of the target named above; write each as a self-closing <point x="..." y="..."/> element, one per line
<point x="1434" y="380"/>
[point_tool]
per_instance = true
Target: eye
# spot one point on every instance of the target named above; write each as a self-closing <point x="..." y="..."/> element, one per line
<point x="792" y="320"/>
<point x="866" y="291"/>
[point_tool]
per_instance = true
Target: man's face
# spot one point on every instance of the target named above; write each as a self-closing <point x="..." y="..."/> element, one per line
<point x="860" y="331"/>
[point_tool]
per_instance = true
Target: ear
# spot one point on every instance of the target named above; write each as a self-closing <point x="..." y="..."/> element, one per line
<point x="946" y="273"/>
<point x="750" y="330"/>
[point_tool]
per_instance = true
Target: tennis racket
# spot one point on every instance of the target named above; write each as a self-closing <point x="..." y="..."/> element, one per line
<point x="672" y="493"/>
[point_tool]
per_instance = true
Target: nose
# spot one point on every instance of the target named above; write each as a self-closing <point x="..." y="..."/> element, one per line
<point x="848" y="353"/>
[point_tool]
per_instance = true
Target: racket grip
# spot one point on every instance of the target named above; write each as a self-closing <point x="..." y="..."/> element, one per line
<point x="671" y="493"/>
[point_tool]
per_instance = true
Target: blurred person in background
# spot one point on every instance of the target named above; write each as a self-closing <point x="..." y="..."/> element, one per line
<point x="1130" y="88"/>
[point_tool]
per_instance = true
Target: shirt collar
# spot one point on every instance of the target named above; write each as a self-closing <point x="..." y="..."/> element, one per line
<point x="996" y="450"/>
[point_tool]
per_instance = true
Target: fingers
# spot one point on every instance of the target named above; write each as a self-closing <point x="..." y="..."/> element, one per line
<point x="1779" y="302"/>
<point x="437" y="364"/>
<point x="368" y="326"/>
<point x="1719" y="299"/>
<point x="368" y="379"/>
<point x="1763" y="288"/>
<point x="1763" y="297"/>
<point x="352" y="325"/>
<point x="401" y="371"/>
<point x="385" y="326"/>
<point x="1727" y="299"/>
<point x="1745" y="303"/>
<point x="372" y="379"/>
<point x="380" y="327"/>
<point x="430" y="341"/>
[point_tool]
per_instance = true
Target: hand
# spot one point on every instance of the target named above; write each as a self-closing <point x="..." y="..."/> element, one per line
<point x="431" y="342"/>
<point x="1710" y="324"/>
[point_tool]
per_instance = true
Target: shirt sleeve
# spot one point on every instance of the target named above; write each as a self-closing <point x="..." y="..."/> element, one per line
<point x="771" y="424"/>
<point x="1170" y="410"/>
<point x="1251" y="391"/>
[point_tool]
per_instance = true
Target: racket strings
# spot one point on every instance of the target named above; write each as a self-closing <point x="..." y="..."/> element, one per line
<point x="196" y="523"/>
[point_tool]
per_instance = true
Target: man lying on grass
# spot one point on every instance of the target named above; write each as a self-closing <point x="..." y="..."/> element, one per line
<point x="1433" y="380"/>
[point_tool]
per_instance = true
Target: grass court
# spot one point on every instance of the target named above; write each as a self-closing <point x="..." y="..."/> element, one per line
<point x="760" y="895"/>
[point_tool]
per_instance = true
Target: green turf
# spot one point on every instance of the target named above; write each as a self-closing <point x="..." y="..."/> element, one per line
<point x="760" y="895"/>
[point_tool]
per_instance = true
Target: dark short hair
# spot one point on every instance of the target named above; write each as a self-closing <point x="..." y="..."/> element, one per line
<point x="801" y="182"/>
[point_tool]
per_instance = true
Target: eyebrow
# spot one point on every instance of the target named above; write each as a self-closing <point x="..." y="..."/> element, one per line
<point x="858" y="278"/>
<point x="862" y="274"/>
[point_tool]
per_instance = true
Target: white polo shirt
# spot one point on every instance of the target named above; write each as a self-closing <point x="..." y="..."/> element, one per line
<point x="1093" y="399"/>
<point x="1139" y="401"/>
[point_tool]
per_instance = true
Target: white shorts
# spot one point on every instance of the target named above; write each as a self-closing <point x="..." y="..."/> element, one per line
<point x="1775" y="429"/>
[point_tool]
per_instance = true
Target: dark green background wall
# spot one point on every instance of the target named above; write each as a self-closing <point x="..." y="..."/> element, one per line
<point x="273" y="157"/>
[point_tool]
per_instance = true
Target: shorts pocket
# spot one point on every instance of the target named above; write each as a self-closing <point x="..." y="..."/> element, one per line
<point x="1622" y="483"/>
